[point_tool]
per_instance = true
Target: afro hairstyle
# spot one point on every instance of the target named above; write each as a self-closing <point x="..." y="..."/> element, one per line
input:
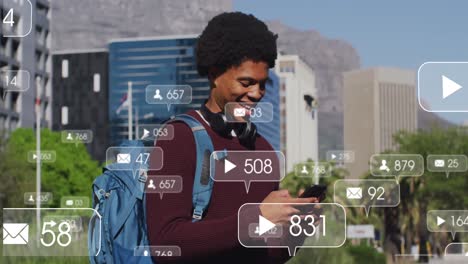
<point x="231" y="38"/>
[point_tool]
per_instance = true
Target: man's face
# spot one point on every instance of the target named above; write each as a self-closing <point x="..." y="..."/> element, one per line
<point x="245" y="83"/>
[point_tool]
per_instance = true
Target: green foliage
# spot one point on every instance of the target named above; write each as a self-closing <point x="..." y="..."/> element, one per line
<point x="323" y="256"/>
<point x="295" y="183"/>
<point x="366" y="254"/>
<point x="71" y="174"/>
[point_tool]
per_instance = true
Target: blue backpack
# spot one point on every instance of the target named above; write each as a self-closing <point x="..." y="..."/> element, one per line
<point x="118" y="226"/>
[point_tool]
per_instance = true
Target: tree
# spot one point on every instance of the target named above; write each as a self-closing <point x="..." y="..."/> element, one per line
<point x="70" y="175"/>
<point x="431" y="191"/>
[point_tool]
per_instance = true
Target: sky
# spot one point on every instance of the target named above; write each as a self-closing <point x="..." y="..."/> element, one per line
<point x="393" y="33"/>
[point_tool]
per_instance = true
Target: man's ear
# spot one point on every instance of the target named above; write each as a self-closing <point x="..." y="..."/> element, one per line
<point x="213" y="74"/>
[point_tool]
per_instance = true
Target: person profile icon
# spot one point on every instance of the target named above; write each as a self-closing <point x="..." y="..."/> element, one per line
<point x="69" y="137"/>
<point x="31" y="199"/>
<point x="304" y="170"/>
<point x="151" y="185"/>
<point x="384" y="167"/>
<point x="145" y="253"/>
<point x="157" y="95"/>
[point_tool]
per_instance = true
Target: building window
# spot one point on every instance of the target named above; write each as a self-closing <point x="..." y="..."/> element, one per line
<point x="64" y="68"/>
<point x="64" y="115"/>
<point x="96" y="82"/>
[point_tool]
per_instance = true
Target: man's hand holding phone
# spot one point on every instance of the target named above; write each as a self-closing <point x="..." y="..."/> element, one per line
<point x="281" y="214"/>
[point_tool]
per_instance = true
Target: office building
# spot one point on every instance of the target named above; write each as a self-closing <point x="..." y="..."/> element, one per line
<point x="80" y="88"/>
<point x="271" y="130"/>
<point x="30" y="56"/>
<point x="146" y="61"/>
<point x="168" y="60"/>
<point x="298" y="115"/>
<point x="378" y="102"/>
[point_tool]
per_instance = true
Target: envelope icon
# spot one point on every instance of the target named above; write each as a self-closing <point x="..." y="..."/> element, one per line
<point x="354" y="193"/>
<point x="15" y="234"/>
<point x="239" y="112"/>
<point x="439" y="163"/>
<point x="123" y="158"/>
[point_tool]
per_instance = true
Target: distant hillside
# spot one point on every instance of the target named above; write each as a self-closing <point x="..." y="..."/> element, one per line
<point x="427" y="120"/>
<point x="85" y="24"/>
<point x="328" y="58"/>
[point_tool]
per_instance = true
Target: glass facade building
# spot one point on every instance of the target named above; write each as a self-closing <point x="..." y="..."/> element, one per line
<point x="155" y="61"/>
<point x="164" y="61"/>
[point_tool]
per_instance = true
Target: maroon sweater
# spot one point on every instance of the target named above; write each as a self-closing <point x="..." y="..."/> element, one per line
<point x="214" y="238"/>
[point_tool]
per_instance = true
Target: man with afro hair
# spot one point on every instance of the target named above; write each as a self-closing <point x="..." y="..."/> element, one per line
<point x="235" y="52"/>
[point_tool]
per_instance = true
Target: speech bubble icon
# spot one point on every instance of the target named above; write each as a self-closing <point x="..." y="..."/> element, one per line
<point x="457" y="250"/>
<point x="157" y="251"/>
<point x="14" y="81"/>
<point x="240" y="112"/>
<point x="77" y="136"/>
<point x="156" y="131"/>
<point x="14" y="25"/>
<point x="247" y="166"/>
<point x="316" y="225"/>
<point x="312" y="169"/>
<point x="168" y="94"/>
<point x="447" y="163"/>
<point x="135" y="159"/>
<point x="70" y="227"/>
<point x="164" y="184"/>
<point x="397" y="165"/>
<point x="451" y="221"/>
<point x="367" y="193"/>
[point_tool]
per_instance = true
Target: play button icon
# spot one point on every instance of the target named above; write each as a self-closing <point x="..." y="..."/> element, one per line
<point x="228" y="166"/>
<point x="449" y="87"/>
<point x="264" y="225"/>
<point x="440" y="221"/>
<point x="440" y="86"/>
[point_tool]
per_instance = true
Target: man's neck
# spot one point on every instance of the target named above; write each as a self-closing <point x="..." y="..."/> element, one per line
<point x="213" y="106"/>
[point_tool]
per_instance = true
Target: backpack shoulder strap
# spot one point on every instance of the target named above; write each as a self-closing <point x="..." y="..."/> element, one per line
<point x="203" y="184"/>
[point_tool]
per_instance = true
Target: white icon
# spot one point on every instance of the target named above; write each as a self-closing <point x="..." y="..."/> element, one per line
<point x="228" y="166"/>
<point x="34" y="156"/>
<point x="440" y="221"/>
<point x="31" y="199"/>
<point x="304" y="170"/>
<point x="123" y="158"/>
<point x="69" y="202"/>
<point x="151" y="185"/>
<point x="239" y="112"/>
<point x="69" y="137"/>
<point x="384" y="167"/>
<point x="354" y="193"/>
<point x="333" y="156"/>
<point x="15" y="234"/>
<point x="145" y="253"/>
<point x="449" y="87"/>
<point x="257" y="231"/>
<point x="264" y="225"/>
<point x="157" y="95"/>
<point x="145" y="134"/>
<point x="439" y="163"/>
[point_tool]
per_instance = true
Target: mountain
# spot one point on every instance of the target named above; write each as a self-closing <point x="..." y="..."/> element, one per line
<point x="328" y="58"/>
<point x="87" y="24"/>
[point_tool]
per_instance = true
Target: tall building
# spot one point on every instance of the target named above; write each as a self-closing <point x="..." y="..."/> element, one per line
<point x="80" y="88"/>
<point x="168" y="60"/>
<point x="271" y="130"/>
<point x="144" y="61"/>
<point x="378" y="102"/>
<point x="30" y="56"/>
<point x="298" y="117"/>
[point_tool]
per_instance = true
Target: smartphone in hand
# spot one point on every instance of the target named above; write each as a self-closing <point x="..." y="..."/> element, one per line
<point x="318" y="191"/>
